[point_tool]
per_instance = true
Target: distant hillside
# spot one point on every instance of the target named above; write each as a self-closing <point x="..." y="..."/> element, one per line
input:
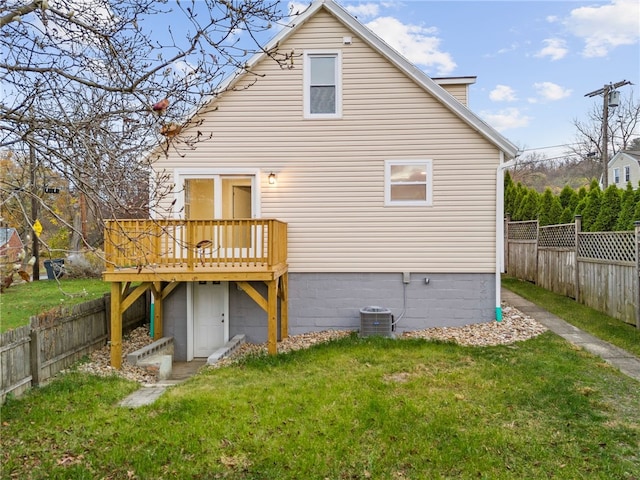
<point x="540" y="174"/>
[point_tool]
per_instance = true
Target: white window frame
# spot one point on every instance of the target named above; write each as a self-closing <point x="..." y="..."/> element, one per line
<point x="427" y="164"/>
<point x="627" y="173"/>
<point x="308" y="54"/>
<point x="616" y="175"/>
<point x="182" y="174"/>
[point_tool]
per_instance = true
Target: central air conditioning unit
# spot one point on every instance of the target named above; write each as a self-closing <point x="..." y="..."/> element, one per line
<point x="375" y="321"/>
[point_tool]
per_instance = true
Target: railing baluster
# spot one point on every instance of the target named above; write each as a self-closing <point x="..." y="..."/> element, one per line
<point x="231" y="243"/>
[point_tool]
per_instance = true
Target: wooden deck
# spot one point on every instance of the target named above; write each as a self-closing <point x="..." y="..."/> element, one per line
<point x="150" y="250"/>
<point x="159" y="254"/>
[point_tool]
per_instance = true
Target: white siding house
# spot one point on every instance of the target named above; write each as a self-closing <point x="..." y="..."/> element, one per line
<point x="386" y="180"/>
<point x="624" y="167"/>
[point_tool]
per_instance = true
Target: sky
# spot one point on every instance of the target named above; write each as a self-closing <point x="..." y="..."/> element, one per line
<point x="534" y="60"/>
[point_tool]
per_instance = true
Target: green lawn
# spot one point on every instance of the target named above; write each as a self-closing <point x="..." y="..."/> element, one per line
<point x="352" y="409"/>
<point x="21" y="301"/>
<point x="596" y="323"/>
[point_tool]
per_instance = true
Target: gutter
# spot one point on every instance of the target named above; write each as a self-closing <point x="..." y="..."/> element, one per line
<point x="500" y="228"/>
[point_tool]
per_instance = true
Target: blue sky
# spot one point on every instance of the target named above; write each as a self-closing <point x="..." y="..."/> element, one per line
<point x="534" y="60"/>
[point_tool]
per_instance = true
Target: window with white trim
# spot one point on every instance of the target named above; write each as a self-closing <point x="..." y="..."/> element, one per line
<point x="627" y="173"/>
<point x="616" y="175"/>
<point x="322" y="85"/>
<point x="408" y="182"/>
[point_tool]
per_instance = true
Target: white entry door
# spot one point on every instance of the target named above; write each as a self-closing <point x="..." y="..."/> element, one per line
<point x="210" y="323"/>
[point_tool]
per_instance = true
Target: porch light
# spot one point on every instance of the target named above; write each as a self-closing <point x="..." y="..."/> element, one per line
<point x="272" y="178"/>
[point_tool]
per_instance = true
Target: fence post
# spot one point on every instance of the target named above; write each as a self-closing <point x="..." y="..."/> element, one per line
<point x="106" y="298"/>
<point x="36" y="357"/>
<point x="576" y="273"/>
<point x="637" y="276"/>
<point x="537" y="252"/>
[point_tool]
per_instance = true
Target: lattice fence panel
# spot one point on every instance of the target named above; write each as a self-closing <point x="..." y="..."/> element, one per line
<point x="523" y="230"/>
<point x="558" y="236"/>
<point x="612" y="246"/>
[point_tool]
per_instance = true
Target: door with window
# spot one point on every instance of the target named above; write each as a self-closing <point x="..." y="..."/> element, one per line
<point x="220" y="197"/>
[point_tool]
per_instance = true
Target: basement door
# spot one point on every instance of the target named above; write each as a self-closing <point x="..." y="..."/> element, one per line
<point x="210" y="317"/>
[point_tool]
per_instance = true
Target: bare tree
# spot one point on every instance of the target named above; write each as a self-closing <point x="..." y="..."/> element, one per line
<point x="622" y="127"/>
<point x="89" y="86"/>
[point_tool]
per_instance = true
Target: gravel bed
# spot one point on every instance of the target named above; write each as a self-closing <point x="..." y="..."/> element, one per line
<point x="100" y="360"/>
<point x="515" y="327"/>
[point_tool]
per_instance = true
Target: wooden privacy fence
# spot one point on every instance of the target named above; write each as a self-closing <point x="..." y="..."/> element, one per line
<point x="33" y="354"/>
<point x="598" y="269"/>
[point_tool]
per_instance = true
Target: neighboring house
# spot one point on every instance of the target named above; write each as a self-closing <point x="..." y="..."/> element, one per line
<point x="366" y="182"/>
<point x="10" y="246"/>
<point x="624" y="167"/>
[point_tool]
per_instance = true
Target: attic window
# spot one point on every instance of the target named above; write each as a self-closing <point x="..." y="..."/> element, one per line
<point x="408" y="183"/>
<point x="322" y="85"/>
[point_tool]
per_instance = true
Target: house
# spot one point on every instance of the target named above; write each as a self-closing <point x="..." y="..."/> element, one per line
<point x="10" y="246"/>
<point x="624" y="167"/>
<point x="350" y="179"/>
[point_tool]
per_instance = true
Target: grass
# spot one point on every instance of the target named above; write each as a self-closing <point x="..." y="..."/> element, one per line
<point x="596" y="323"/>
<point x="351" y="409"/>
<point x="21" y="301"/>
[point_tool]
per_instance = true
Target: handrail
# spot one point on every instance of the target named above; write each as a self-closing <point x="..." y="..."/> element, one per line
<point x="194" y="244"/>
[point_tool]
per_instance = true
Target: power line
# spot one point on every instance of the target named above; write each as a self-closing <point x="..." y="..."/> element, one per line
<point x="550" y="146"/>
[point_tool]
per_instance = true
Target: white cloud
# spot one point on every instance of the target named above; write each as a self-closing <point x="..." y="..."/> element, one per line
<point x="550" y="92"/>
<point x="555" y="48"/>
<point x="606" y="27"/>
<point x="69" y="35"/>
<point x="503" y="93"/>
<point x="506" y="119"/>
<point x="511" y="48"/>
<point x="93" y="12"/>
<point x="363" y="10"/>
<point x="296" y="8"/>
<point x="418" y="44"/>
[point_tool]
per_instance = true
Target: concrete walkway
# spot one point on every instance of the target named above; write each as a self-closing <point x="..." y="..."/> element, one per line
<point x="147" y="394"/>
<point x="621" y="359"/>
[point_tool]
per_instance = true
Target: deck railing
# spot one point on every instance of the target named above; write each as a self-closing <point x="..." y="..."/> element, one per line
<point x="195" y="244"/>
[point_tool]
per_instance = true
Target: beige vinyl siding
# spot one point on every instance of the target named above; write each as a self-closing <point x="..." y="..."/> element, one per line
<point x="624" y="160"/>
<point x="330" y="173"/>
<point x="459" y="92"/>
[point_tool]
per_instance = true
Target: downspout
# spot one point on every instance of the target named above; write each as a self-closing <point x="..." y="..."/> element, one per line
<point x="500" y="229"/>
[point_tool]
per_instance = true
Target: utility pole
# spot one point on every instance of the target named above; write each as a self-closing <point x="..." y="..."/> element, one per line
<point x="605" y="92"/>
<point x="34" y="214"/>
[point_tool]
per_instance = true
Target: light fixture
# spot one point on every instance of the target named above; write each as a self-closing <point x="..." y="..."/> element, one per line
<point x="272" y="178"/>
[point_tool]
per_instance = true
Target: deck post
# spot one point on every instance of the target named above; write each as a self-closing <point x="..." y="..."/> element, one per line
<point x="272" y="314"/>
<point x="116" y="325"/>
<point x="284" y="306"/>
<point x="158" y="301"/>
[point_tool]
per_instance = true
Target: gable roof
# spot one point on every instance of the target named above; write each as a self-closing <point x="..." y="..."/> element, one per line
<point x="5" y="235"/>
<point x="634" y="155"/>
<point x="395" y="58"/>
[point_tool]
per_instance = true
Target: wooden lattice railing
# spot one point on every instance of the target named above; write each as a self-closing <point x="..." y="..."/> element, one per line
<point x="608" y="246"/>
<point x="195" y="243"/>
<point x="527" y="230"/>
<point x="557" y="236"/>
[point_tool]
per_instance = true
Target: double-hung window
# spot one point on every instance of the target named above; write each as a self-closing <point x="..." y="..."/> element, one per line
<point x="616" y="175"/>
<point x="408" y="182"/>
<point x="322" y="85"/>
<point x="627" y="173"/>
